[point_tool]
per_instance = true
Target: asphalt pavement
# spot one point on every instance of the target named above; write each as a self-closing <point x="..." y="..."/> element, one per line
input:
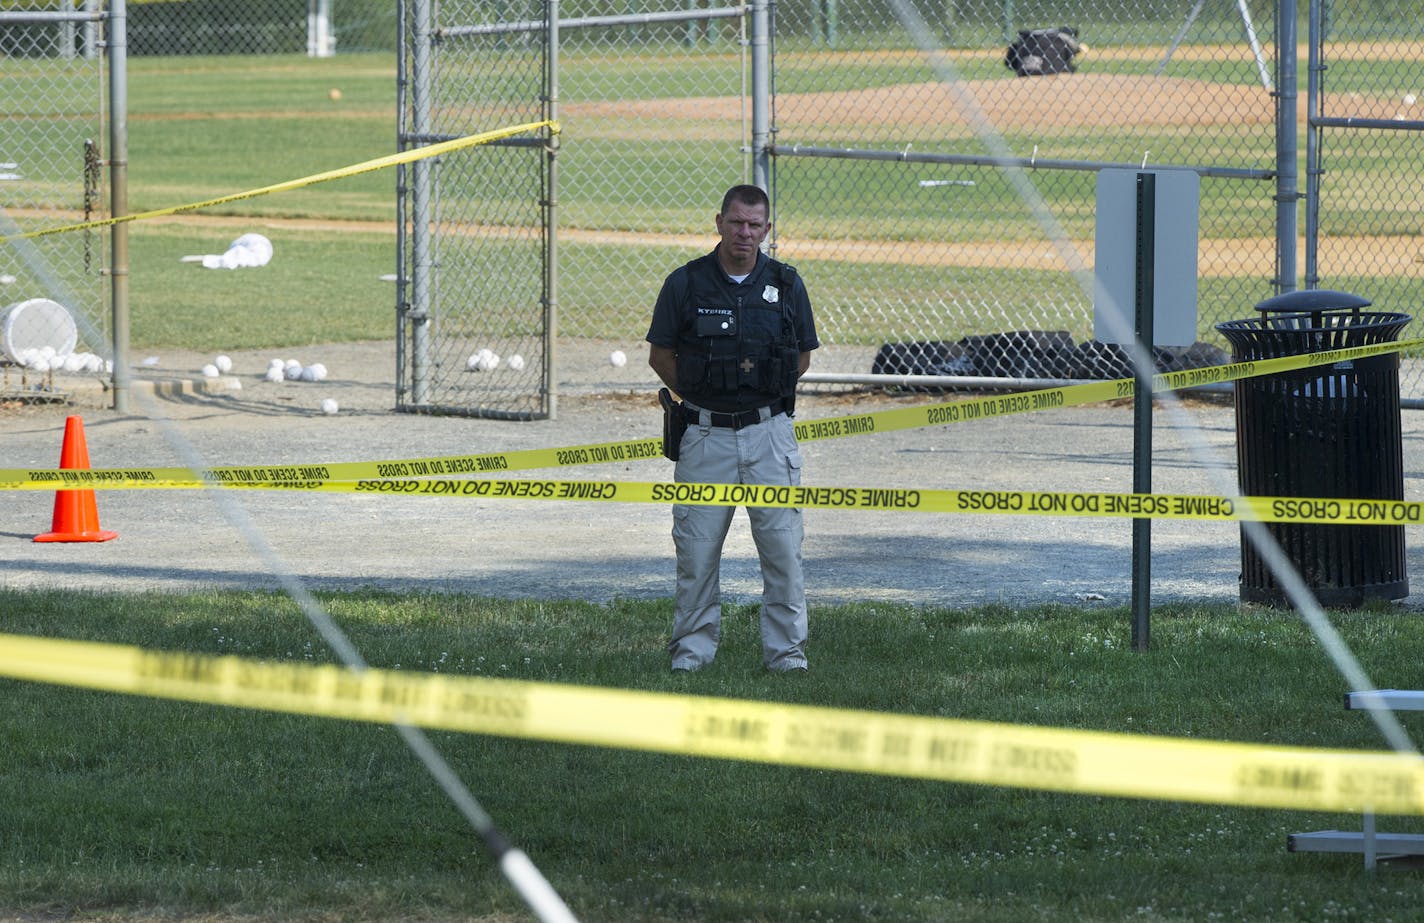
<point x="186" y="539"/>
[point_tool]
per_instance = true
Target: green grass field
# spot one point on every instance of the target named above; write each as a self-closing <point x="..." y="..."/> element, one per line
<point x="203" y="127"/>
<point x="117" y="808"/>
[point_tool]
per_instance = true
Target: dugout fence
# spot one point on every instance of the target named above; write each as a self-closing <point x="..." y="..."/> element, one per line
<point x="516" y="256"/>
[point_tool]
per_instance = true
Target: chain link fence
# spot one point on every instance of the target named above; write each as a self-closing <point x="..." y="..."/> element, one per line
<point x="52" y="294"/>
<point x="261" y="27"/>
<point x="892" y="192"/>
<point x="475" y="303"/>
<point x="656" y="119"/>
<point x="1364" y="233"/>
<point x="919" y="251"/>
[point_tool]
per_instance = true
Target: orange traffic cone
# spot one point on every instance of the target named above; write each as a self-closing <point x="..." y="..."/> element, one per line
<point x="76" y="513"/>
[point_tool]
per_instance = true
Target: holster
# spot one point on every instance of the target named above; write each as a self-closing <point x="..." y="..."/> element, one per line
<point x="674" y="424"/>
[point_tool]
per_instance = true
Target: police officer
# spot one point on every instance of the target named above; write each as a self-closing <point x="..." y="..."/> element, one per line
<point x="731" y="333"/>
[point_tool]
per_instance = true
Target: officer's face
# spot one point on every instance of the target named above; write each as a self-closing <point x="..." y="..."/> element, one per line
<point x="742" y="227"/>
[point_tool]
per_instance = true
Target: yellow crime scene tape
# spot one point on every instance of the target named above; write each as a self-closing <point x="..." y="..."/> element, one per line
<point x="368" y="166"/>
<point x="1338" y="511"/>
<point x="948" y="750"/>
<point x="304" y="476"/>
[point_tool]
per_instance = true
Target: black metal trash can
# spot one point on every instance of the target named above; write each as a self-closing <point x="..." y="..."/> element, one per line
<point x="1323" y="431"/>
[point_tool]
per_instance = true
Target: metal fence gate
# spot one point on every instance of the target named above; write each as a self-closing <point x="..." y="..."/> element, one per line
<point x="52" y="101"/>
<point x="476" y="305"/>
<point x="1364" y="209"/>
<point x="493" y="303"/>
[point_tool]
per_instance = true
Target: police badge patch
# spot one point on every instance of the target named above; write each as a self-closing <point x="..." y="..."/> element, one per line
<point x="771" y="294"/>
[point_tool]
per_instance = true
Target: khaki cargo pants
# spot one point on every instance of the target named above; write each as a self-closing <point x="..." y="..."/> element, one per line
<point x="762" y="453"/>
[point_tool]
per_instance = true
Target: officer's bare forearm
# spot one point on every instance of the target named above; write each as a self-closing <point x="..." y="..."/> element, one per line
<point x="663" y="362"/>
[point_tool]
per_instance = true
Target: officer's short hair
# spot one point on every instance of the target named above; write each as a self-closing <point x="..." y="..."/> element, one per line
<point x="747" y="195"/>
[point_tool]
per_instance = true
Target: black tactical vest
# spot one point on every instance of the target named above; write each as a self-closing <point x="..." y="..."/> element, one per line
<point x="741" y="349"/>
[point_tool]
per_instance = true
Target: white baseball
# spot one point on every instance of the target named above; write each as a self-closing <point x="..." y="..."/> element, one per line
<point x="328" y="406"/>
<point x="223" y="363"/>
<point x="516" y="362"/>
<point x="210" y="371"/>
<point x="617" y="359"/>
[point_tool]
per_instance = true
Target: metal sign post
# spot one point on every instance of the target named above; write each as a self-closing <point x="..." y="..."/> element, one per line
<point x="1155" y="270"/>
<point x="1142" y="409"/>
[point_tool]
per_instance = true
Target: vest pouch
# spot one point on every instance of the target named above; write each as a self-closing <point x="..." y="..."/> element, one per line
<point x="768" y="376"/>
<point x="722" y="376"/>
<point x="691" y="372"/>
<point x="790" y="369"/>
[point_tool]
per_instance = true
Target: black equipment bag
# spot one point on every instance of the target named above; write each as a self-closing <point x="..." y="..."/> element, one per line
<point x="1043" y="51"/>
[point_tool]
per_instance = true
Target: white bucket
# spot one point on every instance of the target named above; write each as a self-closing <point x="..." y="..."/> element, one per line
<point x="35" y="324"/>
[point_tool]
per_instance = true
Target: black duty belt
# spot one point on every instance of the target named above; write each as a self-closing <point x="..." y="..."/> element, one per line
<point x="734" y="420"/>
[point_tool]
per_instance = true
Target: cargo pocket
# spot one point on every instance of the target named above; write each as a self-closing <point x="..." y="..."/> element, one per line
<point x="793" y="468"/>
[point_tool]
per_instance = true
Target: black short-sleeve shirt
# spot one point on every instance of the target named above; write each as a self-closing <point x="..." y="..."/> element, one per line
<point x="673" y="314"/>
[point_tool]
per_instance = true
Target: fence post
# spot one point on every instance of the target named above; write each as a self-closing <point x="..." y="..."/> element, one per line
<point x="551" y="209"/>
<point x="1314" y="68"/>
<point x="761" y="93"/>
<point x="117" y="50"/>
<point x="1287" y="146"/>
<point x="421" y="173"/>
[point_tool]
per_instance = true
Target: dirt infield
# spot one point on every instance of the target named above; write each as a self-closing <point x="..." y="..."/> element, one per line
<point x="1063" y="101"/>
<point x="1397" y="255"/>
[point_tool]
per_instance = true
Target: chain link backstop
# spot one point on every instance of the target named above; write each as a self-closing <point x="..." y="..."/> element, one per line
<point x="893" y="195"/>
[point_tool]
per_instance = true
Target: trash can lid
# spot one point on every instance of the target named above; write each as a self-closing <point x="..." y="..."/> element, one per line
<point x="1313" y="299"/>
